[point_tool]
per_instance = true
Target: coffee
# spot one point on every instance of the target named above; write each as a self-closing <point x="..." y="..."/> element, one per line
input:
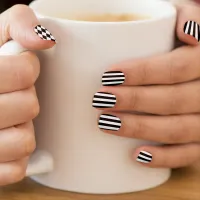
<point x="106" y="17"/>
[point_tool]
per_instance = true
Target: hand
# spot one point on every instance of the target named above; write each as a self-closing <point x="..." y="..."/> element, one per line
<point x="166" y="88"/>
<point x="18" y="99"/>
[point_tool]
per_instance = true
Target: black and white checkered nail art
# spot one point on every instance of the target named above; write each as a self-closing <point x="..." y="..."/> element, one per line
<point x="144" y="157"/>
<point x="113" y="78"/>
<point x="192" y="28"/>
<point x="43" y="33"/>
<point x="109" y="122"/>
<point x="104" y="100"/>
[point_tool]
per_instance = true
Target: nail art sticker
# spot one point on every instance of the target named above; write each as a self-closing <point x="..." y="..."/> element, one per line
<point x="109" y="122"/>
<point x="144" y="157"/>
<point x="43" y="33"/>
<point x="113" y="78"/>
<point x="192" y="28"/>
<point x="104" y="100"/>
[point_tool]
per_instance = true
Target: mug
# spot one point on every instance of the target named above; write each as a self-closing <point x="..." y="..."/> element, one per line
<point x="72" y="153"/>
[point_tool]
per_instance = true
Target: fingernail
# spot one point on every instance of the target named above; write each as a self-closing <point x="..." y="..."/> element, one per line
<point x="144" y="157"/>
<point x="192" y="28"/>
<point x="104" y="100"/>
<point x="43" y="33"/>
<point x="113" y="78"/>
<point x="109" y="122"/>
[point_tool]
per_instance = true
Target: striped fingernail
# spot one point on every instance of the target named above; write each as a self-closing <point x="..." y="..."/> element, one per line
<point x="43" y="33"/>
<point x="104" y="100"/>
<point x="113" y="78"/>
<point x="109" y="122"/>
<point x="192" y="28"/>
<point x="144" y="157"/>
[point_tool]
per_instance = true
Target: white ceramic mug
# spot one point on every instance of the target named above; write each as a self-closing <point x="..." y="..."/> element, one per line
<point x="85" y="159"/>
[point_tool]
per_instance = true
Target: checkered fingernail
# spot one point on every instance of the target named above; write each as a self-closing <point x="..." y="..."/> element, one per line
<point x="43" y="33"/>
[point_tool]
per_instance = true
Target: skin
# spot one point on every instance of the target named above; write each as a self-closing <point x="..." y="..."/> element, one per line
<point x="173" y="100"/>
<point x="18" y="100"/>
<point x="166" y="89"/>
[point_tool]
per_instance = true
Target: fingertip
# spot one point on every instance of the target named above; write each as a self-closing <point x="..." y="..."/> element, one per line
<point x="37" y="44"/>
<point x="144" y="156"/>
<point x="186" y="38"/>
<point x="188" y="24"/>
<point x="37" y="41"/>
<point x="24" y="27"/>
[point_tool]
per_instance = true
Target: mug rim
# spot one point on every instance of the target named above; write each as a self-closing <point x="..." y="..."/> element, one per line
<point x="171" y="14"/>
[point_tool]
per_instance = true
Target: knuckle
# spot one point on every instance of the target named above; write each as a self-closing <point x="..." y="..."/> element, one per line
<point x="162" y="162"/>
<point x="18" y="9"/>
<point x="177" y="73"/>
<point x="32" y="66"/>
<point x="176" y="69"/>
<point x="170" y="66"/>
<point x="27" y="142"/>
<point x="176" y="102"/>
<point x="133" y="99"/>
<point x="197" y="100"/>
<point x="144" y="72"/>
<point x="173" y="103"/>
<point x="173" y="138"/>
<point x="175" y="135"/>
<point x="22" y="77"/>
<point x="26" y="76"/>
<point x="138" y="129"/>
<point x="33" y="108"/>
<point x="18" y="173"/>
<point x="15" y="15"/>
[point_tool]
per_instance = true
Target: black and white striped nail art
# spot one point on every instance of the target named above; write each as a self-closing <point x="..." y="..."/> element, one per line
<point x="144" y="157"/>
<point x="43" y="33"/>
<point x="113" y="78"/>
<point x="192" y="28"/>
<point x="109" y="122"/>
<point x="104" y="100"/>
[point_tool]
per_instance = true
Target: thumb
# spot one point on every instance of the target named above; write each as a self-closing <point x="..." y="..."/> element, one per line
<point x="188" y="27"/>
<point x="20" y="24"/>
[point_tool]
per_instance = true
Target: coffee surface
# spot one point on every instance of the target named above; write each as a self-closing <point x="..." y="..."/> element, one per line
<point x="105" y="17"/>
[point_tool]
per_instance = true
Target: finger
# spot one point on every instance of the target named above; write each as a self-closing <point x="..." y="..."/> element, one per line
<point x="12" y="172"/>
<point x="168" y="156"/>
<point x="18" y="72"/>
<point x="159" y="100"/>
<point x="20" y="24"/>
<point x="18" y="107"/>
<point x="178" y="66"/>
<point x="188" y="25"/>
<point x="17" y="142"/>
<point x="197" y="1"/>
<point x="167" y="129"/>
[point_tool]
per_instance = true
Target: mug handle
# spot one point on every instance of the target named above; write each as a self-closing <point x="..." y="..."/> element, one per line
<point x="41" y="161"/>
